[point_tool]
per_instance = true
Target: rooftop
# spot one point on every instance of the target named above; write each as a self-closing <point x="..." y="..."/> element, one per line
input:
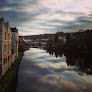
<point x="14" y="29"/>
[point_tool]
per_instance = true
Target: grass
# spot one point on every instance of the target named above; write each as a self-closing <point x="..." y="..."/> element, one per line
<point x="9" y="75"/>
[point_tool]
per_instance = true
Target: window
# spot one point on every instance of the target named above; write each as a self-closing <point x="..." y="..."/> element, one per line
<point x="8" y="58"/>
<point x="12" y="44"/>
<point x="4" y="62"/>
<point x="8" y="37"/>
<point x="12" y="51"/>
<point x="5" y="49"/>
<point x="5" y="35"/>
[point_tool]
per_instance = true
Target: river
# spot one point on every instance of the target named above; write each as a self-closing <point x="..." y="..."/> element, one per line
<point x="41" y="72"/>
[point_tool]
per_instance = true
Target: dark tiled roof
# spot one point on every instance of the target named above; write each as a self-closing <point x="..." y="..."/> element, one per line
<point x="14" y="29"/>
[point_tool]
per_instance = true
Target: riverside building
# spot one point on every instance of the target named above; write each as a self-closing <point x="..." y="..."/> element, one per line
<point x="6" y="59"/>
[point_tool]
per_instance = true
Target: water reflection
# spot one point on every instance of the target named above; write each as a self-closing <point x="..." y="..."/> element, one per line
<point x="81" y="62"/>
<point x="56" y="51"/>
<point x="41" y="72"/>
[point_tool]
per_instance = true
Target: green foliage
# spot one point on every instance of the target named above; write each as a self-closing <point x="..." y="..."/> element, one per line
<point x="9" y="75"/>
<point x="83" y="43"/>
<point x="21" y="47"/>
<point x="57" y="42"/>
<point x="80" y="42"/>
<point x="88" y="39"/>
<point x="50" y="43"/>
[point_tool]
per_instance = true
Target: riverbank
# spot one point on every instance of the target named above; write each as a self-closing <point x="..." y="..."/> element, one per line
<point x="9" y="75"/>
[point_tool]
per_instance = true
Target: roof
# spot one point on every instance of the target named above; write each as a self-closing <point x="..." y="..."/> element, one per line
<point x="14" y="29"/>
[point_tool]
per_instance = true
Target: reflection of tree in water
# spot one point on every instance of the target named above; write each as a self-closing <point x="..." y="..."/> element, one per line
<point x="82" y="62"/>
<point x="57" y="51"/>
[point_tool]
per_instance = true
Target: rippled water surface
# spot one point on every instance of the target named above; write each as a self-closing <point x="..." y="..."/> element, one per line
<point x="41" y="72"/>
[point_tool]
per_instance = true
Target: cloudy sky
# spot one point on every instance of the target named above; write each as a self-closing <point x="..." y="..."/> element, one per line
<point x="33" y="17"/>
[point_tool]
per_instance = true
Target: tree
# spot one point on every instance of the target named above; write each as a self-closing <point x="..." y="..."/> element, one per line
<point x="50" y="43"/>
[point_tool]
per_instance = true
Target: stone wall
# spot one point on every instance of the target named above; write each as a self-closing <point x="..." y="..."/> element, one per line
<point x="0" y="45"/>
<point x="13" y="57"/>
<point x="15" y="42"/>
<point x="6" y="56"/>
<point x="0" y="49"/>
<point x="6" y="46"/>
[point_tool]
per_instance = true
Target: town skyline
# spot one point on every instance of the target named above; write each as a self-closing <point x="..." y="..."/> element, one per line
<point x="33" y="17"/>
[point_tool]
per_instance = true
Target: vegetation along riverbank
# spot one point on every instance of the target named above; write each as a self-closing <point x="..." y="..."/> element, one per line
<point x="9" y="75"/>
<point x="78" y="42"/>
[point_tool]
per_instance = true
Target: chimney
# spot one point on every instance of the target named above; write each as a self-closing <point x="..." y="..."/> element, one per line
<point x="2" y="21"/>
<point x="2" y="18"/>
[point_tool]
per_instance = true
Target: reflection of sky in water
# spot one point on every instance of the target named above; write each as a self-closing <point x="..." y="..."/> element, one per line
<point x="45" y="73"/>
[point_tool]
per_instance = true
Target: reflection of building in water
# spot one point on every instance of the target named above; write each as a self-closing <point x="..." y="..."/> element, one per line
<point x="5" y="47"/>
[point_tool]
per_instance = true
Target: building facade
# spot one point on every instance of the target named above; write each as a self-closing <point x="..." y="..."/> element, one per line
<point x="15" y="41"/>
<point x="6" y="55"/>
<point x="5" y="46"/>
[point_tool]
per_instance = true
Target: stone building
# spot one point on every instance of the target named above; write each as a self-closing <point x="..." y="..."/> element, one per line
<point x="15" y="41"/>
<point x="8" y="46"/>
<point x="5" y="46"/>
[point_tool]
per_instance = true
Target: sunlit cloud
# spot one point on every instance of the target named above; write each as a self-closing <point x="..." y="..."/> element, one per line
<point x="35" y="50"/>
<point x="70" y="86"/>
<point x="51" y="79"/>
<point x="42" y="16"/>
<point x="43" y="55"/>
<point x="60" y="65"/>
<point x="61" y="83"/>
<point x="52" y="58"/>
<point x="40" y="65"/>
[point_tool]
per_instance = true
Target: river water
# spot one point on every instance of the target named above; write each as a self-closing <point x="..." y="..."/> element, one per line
<point x="41" y="72"/>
